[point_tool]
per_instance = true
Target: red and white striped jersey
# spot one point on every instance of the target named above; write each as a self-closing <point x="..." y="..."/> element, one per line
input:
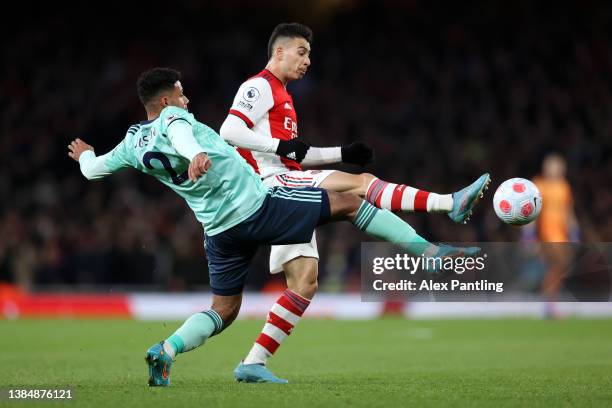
<point x="266" y="107"/>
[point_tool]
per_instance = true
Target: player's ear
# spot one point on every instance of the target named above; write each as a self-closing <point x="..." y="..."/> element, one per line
<point x="278" y="52"/>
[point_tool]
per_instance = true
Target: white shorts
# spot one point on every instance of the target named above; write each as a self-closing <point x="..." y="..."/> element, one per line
<point x="281" y="254"/>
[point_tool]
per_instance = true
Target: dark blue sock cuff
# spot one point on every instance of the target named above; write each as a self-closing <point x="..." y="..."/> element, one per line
<point x="217" y="321"/>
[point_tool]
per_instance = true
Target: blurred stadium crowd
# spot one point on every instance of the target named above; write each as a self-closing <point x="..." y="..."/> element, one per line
<point x="443" y="93"/>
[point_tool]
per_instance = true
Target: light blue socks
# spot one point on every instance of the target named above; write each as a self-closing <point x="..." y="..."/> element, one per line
<point x="194" y="332"/>
<point x="386" y="226"/>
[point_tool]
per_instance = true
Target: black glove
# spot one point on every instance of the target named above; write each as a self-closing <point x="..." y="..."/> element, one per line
<point x="357" y="153"/>
<point x="293" y="149"/>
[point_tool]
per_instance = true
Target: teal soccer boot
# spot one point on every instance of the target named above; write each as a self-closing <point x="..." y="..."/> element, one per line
<point x="159" y="363"/>
<point x="256" y="373"/>
<point x="464" y="200"/>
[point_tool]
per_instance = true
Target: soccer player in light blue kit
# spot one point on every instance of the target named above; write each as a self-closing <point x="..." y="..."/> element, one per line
<point x="238" y="212"/>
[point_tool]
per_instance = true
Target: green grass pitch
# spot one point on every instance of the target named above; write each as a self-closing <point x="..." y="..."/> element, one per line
<point x="380" y="363"/>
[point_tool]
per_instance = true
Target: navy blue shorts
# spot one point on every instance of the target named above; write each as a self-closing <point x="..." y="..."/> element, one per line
<point x="287" y="216"/>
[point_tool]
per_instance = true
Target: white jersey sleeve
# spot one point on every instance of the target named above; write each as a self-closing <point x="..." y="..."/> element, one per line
<point x="317" y="156"/>
<point x="253" y="101"/>
<point x="236" y="132"/>
<point x="94" y="167"/>
<point x="180" y="134"/>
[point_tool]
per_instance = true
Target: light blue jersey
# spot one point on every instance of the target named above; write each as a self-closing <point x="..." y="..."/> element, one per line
<point x="226" y="195"/>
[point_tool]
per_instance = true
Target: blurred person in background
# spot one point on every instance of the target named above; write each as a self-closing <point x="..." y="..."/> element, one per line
<point x="556" y="226"/>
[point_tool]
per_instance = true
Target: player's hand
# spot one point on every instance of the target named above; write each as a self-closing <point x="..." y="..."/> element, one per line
<point x="77" y="147"/>
<point x="293" y="149"/>
<point x="357" y="153"/>
<point x="199" y="166"/>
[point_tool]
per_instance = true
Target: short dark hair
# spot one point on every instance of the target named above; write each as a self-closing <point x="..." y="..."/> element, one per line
<point x="150" y="83"/>
<point x="291" y="30"/>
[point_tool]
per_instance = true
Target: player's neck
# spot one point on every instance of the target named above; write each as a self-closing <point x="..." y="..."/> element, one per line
<point x="153" y="114"/>
<point x="275" y="70"/>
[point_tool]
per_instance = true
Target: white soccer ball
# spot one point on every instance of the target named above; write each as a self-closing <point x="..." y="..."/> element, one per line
<point x="517" y="201"/>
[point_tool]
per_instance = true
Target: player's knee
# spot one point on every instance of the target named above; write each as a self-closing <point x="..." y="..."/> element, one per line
<point x="344" y="205"/>
<point x="352" y="204"/>
<point x="227" y="309"/>
<point x="366" y="179"/>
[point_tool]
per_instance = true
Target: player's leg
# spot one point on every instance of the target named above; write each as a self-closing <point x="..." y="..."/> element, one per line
<point x="382" y="194"/>
<point x="301" y="274"/>
<point x="228" y="263"/>
<point x="384" y="225"/>
<point x="286" y="312"/>
<point x="400" y="197"/>
<point x="557" y="258"/>
<point x="200" y="326"/>
<point x="288" y="216"/>
<point x="299" y="262"/>
<point x="291" y="215"/>
<point x="193" y="333"/>
<point x="391" y="196"/>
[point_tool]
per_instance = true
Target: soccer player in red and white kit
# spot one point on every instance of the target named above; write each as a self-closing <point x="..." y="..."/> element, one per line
<point x="262" y="123"/>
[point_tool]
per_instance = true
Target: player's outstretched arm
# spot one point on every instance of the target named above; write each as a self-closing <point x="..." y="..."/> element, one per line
<point x="355" y="153"/>
<point x="235" y="131"/>
<point x="92" y="166"/>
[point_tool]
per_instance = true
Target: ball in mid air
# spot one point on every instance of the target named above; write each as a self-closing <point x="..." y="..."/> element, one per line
<point x="517" y="201"/>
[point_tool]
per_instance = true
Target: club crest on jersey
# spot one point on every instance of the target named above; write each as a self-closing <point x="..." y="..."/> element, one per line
<point x="250" y="94"/>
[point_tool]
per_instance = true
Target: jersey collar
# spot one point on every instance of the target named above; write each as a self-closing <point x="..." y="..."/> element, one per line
<point x="274" y="76"/>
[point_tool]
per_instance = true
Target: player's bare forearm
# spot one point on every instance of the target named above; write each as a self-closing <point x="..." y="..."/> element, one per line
<point x="199" y="166"/>
<point x="77" y="147"/>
